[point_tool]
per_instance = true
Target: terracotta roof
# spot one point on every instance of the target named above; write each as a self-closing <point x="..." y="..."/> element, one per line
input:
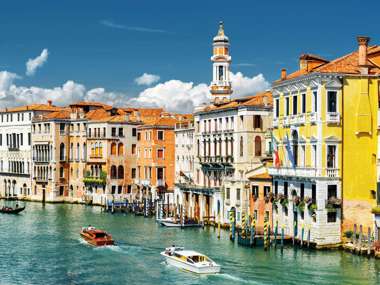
<point x="32" y="107"/>
<point x="61" y="114"/>
<point x="91" y="104"/>
<point x="97" y="114"/>
<point x="255" y="100"/>
<point x="347" y="64"/>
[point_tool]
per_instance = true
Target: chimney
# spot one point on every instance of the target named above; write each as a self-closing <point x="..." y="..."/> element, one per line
<point x="50" y="102"/>
<point x="363" y="45"/>
<point x="283" y="74"/>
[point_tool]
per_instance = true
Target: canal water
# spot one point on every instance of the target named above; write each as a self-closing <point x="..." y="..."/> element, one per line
<point x="42" y="246"/>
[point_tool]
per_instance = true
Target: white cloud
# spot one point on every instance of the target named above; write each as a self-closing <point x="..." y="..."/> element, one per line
<point x="147" y="79"/>
<point x="33" y="63"/>
<point x="173" y="95"/>
<point x="113" y="25"/>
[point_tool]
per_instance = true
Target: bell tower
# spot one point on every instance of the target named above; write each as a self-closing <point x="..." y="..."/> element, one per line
<point x="220" y="86"/>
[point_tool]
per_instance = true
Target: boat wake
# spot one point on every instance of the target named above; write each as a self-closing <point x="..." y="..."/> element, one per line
<point x="235" y="278"/>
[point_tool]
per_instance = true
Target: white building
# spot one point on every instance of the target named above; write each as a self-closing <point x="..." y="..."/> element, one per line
<point x="16" y="149"/>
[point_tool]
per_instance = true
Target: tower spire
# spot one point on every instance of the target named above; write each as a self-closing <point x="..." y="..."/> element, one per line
<point x="220" y="87"/>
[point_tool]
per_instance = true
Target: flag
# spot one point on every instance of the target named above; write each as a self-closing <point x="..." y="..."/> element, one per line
<point x="289" y="151"/>
<point x="276" y="158"/>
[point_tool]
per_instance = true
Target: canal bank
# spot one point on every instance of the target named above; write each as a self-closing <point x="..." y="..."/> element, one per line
<point x="42" y="246"/>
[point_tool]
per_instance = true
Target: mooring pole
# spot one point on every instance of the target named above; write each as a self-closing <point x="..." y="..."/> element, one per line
<point x="282" y="238"/>
<point x="275" y="234"/>
<point x="302" y="232"/>
<point x="369" y="242"/>
<point x="308" y="236"/>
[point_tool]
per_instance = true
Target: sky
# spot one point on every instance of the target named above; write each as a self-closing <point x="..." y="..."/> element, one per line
<point x="157" y="53"/>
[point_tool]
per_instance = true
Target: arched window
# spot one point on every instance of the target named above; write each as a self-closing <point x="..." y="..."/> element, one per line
<point x="120" y="150"/>
<point x="113" y="172"/>
<point x="113" y="149"/>
<point x="100" y="149"/>
<point x="241" y="146"/>
<point x="96" y="149"/>
<point x="84" y="154"/>
<point x="62" y="151"/>
<point x="92" y="171"/>
<point x="78" y="152"/>
<point x="120" y="172"/>
<point x="257" y="146"/>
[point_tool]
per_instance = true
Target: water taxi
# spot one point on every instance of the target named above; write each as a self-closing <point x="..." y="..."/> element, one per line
<point x="190" y="260"/>
<point x="96" y="237"/>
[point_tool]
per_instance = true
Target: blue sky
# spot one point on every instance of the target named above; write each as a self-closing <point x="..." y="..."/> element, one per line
<point x="110" y="43"/>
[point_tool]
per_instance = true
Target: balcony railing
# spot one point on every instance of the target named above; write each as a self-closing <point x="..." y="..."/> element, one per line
<point x="333" y="118"/>
<point x="304" y="172"/>
<point x="160" y="182"/>
<point x="301" y="119"/>
<point x="216" y="159"/>
<point x="286" y="121"/>
<point x="313" y="117"/>
<point x="13" y="148"/>
<point x="293" y="120"/>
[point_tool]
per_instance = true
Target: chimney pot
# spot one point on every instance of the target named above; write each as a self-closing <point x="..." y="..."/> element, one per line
<point x="283" y="74"/>
<point x="50" y="102"/>
<point x="362" y="50"/>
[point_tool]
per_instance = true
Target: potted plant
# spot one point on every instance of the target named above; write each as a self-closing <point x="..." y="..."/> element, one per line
<point x="296" y="200"/>
<point x="308" y="201"/>
<point x="301" y="206"/>
<point x="284" y="202"/>
<point x="312" y="208"/>
<point x="333" y="202"/>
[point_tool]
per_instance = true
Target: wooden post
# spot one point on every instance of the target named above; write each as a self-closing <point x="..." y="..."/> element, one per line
<point x="219" y="221"/>
<point x="302" y="232"/>
<point x="275" y="234"/>
<point x="360" y="237"/>
<point x="308" y="236"/>
<point x="265" y="234"/>
<point x="369" y="242"/>
<point x="282" y="238"/>
<point x="354" y="235"/>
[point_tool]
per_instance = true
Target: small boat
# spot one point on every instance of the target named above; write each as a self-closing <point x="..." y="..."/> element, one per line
<point x="174" y="224"/>
<point x="190" y="260"/>
<point x="96" y="237"/>
<point x="10" y="210"/>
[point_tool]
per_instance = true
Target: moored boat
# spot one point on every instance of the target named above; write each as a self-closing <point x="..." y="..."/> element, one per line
<point x="10" y="210"/>
<point x="174" y="224"/>
<point x="190" y="260"/>
<point x="96" y="237"/>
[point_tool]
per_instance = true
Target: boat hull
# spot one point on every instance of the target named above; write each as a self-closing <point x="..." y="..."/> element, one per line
<point x="188" y="267"/>
<point x="178" y="225"/>
<point x="97" y="241"/>
<point x="13" y="211"/>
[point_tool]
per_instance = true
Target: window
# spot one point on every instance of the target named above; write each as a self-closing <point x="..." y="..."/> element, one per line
<point x="287" y="106"/>
<point x="62" y="129"/>
<point x="314" y="155"/>
<point x="303" y="110"/>
<point x="331" y="217"/>
<point x="277" y="107"/>
<point x="89" y="132"/>
<point x="134" y="132"/>
<point x="331" y="156"/>
<point x="139" y="136"/>
<point x="120" y="149"/>
<point x="160" y="153"/>
<point x="286" y="189"/>
<point x="295" y="105"/>
<point x="113" y="172"/>
<point x="255" y="191"/>
<point x="276" y="188"/>
<point x="121" y="132"/>
<point x="62" y="154"/>
<point x="237" y="194"/>
<point x="61" y="172"/>
<point x="220" y="72"/>
<point x="120" y="172"/>
<point x="266" y="191"/>
<point x="331" y="102"/>
<point x="113" y="149"/>
<point x="257" y="122"/>
<point x="302" y="191"/>
<point x="241" y="147"/>
<point x="29" y="139"/>
<point x="227" y="193"/>
<point x="133" y="173"/>
<point x="315" y="101"/>
<point x="331" y="191"/>
<point x="160" y="135"/>
<point x="133" y="148"/>
<point x="113" y="132"/>
<point x="313" y="192"/>
<point x="257" y="146"/>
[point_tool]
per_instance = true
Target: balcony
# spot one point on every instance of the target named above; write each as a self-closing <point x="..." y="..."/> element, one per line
<point x="286" y="122"/>
<point x="293" y="120"/>
<point x="332" y="118"/>
<point x="13" y="148"/>
<point x="332" y="172"/>
<point x="304" y="172"/>
<point x="313" y="117"/>
<point x="275" y="122"/>
<point x="160" y="182"/>
<point x="301" y="119"/>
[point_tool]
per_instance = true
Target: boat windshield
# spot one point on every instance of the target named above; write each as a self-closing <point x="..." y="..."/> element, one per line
<point x="199" y="258"/>
<point x="100" y="235"/>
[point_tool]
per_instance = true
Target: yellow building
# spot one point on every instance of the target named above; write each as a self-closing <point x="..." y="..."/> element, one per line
<point x="325" y="131"/>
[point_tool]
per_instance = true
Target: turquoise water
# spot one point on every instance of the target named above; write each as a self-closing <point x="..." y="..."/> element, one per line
<point x="42" y="246"/>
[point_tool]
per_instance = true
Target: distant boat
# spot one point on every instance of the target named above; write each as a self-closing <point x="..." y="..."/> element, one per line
<point x="190" y="260"/>
<point x="96" y="237"/>
<point x="10" y="210"/>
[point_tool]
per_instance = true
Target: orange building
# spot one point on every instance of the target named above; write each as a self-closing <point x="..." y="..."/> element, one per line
<point x="156" y="156"/>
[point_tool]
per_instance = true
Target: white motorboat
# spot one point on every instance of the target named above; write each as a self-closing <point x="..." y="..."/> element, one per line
<point x="190" y="260"/>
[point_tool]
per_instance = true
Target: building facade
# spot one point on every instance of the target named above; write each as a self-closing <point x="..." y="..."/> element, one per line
<point x="325" y="119"/>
